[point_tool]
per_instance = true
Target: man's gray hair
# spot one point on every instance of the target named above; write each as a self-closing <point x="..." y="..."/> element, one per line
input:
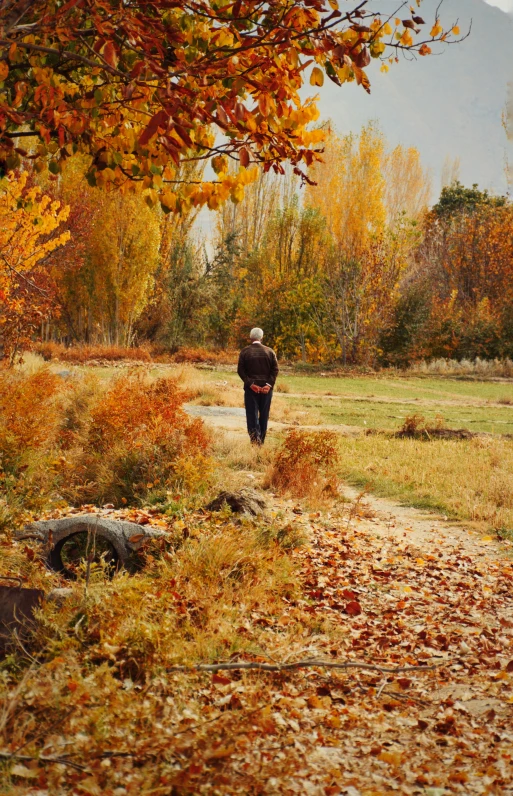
<point x="256" y="334"/>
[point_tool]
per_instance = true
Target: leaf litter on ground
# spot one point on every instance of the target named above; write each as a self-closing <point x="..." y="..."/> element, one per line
<point x="362" y="593"/>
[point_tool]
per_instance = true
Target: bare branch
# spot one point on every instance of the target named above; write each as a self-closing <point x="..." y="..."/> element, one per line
<point x="306" y="664"/>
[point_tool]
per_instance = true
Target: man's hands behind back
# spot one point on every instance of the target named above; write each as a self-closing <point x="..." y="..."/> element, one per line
<point x="258" y="389"/>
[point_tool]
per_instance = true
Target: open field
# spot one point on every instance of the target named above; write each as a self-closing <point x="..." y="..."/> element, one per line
<point x="349" y="645"/>
<point x="381" y="402"/>
<point x="469" y="480"/>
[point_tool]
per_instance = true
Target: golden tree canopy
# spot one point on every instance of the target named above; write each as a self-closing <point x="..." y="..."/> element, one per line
<point x="142" y="86"/>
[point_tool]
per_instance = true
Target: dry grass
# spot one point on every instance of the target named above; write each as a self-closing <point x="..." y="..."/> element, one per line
<point x="95" y="670"/>
<point x="304" y="466"/>
<point x="185" y="607"/>
<point x="235" y="452"/>
<point x="482" y="368"/>
<point x="283" y="412"/>
<point x="471" y="480"/>
<point x="86" y="353"/>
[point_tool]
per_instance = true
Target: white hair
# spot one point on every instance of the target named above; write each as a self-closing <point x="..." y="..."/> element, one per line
<point x="256" y="334"/>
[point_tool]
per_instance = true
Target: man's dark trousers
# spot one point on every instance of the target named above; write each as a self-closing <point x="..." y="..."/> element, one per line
<point x="258" y="406"/>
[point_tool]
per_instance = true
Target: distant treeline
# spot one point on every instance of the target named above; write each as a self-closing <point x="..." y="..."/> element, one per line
<point x="352" y="268"/>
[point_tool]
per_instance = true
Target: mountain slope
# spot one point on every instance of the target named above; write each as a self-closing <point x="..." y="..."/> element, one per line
<point x="449" y="104"/>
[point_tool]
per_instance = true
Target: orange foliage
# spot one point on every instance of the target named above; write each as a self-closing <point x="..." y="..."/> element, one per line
<point x="141" y="88"/>
<point x="30" y="230"/>
<point x="141" y="439"/>
<point x="79" y="440"/>
<point x="469" y="258"/>
<point x="29" y="413"/>
<point x="86" y="353"/>
<point x="136" y="413"/>
<point x="187" y="354"/>
<point x="304" y="464"/>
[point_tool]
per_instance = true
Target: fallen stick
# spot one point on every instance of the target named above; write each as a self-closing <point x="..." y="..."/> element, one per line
<point x="43" y="759"/>
<point x="282" y="667"/>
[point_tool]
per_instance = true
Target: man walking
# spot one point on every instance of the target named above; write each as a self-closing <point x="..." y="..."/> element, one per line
<point x="258" y="369"/>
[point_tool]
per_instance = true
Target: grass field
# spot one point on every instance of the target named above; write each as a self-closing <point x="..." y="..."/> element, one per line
<point x="384" y="403"/>
<point x="469" y="480"/>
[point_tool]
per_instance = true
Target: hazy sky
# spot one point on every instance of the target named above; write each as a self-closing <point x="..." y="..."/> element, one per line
<point x="506" y="5"/>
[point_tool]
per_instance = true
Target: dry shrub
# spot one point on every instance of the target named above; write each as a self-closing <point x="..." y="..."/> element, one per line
<point x="29" y="412"/>
<point x="140" y="440"/>
<point x="204" y="355"/>
<point x="413" y="426"/>
<point x="86" y="353"/>
<point x="31" y="408"/>
<point x="87" y="439"/>
<point x="305" y="465"/>
<point x="416" y="427"/>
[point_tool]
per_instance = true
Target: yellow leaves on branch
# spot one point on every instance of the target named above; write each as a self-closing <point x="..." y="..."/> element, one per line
<point x="317" y="77"/>
<point x="144" y="88"/>
<point x="406" y="39"/>
<point x="211" y="194"/>
<point x="28" y="221"/>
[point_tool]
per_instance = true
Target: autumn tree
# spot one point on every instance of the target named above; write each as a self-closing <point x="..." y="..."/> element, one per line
<point x="31" y="228"/>
<point x="458" y="292"/>
<point x="141" y="87"/>
<point x="106" y="276"/>
<point x="249" y="219"/>
<point x="362" y="201"/>
<point x="407" y="185"/>
<point x="123" y="257"/>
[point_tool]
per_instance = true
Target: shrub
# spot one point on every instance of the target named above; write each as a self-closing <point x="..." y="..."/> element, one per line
<point x="204" y="355"/>
<point x="305" y="464"/>
<point x="86" y="353"/>
<point x="140" y="440"/>
<point x="30" y="415"/>
<point x="91" y="440"/>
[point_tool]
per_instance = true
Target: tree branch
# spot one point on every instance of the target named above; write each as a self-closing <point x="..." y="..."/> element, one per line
<point x="66" y="55"/>
<point x="43" y="759"/>
<point x="282" y="667"/>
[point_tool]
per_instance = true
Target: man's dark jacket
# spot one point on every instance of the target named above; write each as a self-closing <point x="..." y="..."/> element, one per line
<point x="257" y="365"/>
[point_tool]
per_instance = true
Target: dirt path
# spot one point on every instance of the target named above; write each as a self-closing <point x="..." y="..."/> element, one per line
<point x="403" y="587"/>
<point x="380" y="516"/>
<point x="232" y="418"/>
<point x="391" y="585"/>
<point x="466" y="401"/>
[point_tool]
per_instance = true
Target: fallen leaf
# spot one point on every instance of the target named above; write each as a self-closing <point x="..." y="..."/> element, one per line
<point x="20" y="770"/>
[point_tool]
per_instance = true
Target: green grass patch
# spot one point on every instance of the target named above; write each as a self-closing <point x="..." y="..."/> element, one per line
<point x="467" y="480"/>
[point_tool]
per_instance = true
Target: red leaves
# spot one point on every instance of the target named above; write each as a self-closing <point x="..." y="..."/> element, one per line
<point x="160" y="119"/>
<point x="361" y="58"/>
<point x="244" y="157"/>
<point x="353" y="608"/>
<point x="220" y="679"/>
<point x="110" y="53"/>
